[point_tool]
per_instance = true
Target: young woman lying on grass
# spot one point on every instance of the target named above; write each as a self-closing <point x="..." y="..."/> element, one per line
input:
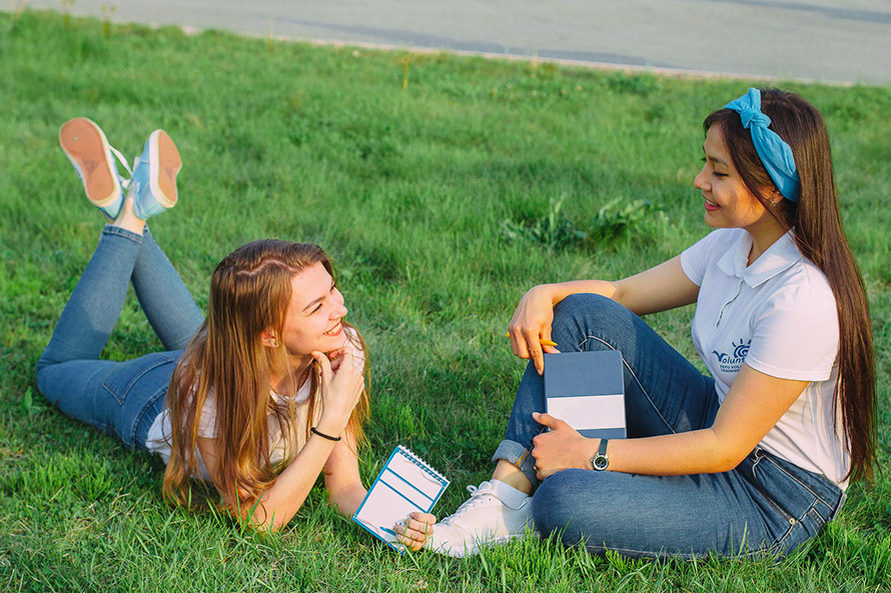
<point x="751" y="459"/>
<point x="260" y="397"/>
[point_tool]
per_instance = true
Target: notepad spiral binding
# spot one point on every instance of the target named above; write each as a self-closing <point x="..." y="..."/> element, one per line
<point x="421" y="463"/>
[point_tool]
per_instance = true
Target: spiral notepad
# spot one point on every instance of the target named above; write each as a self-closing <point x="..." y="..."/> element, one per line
<point x="404" y="485"/>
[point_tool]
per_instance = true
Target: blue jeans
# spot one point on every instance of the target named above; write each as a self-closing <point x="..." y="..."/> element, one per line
<point x="766" y="505"/>
<point x="120" y="398"/>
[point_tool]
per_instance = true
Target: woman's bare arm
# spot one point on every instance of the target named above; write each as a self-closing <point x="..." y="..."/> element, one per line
<point x="753" y="406"/>
<point x="660" y="288"/>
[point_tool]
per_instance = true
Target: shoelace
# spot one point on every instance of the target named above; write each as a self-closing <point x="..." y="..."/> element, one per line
<point x="125" y="183"/>
<point x="476" y="497"/>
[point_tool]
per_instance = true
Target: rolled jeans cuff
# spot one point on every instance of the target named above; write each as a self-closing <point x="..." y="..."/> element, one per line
<point x="518" y="456"/>
<point x="121" y="232"/>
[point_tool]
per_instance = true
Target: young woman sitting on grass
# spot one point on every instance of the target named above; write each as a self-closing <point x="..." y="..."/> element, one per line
<point x="260" y="397"/>
<point x="751" y="459"/>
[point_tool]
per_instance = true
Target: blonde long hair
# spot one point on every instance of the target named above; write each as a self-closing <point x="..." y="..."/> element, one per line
<point x="249" y="292"/>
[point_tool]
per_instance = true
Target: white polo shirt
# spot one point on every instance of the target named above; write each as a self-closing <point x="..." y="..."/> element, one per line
<point x="779" y="316"/>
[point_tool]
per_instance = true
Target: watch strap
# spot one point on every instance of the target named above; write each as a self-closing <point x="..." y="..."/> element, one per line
<point x="600" y="461"/>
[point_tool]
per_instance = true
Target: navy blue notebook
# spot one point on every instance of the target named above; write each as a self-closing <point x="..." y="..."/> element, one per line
<point x="405" y="484"/>
<point x="587" y="390"/>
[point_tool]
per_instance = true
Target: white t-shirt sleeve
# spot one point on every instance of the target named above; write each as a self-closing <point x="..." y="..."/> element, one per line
<point x="207" y="424"/>
<point x="696" y="259"/>
<point x="355" y="345"/>
<point x="796" y="334"/>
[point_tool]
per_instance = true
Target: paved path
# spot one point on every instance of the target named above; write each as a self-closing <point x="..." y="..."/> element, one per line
<point x="825" y="40"/>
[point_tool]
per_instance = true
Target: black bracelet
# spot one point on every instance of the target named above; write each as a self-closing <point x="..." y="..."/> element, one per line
<point x="323" y="435"/>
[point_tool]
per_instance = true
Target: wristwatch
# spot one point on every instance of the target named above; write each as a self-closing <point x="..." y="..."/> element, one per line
<point x="601" y="461"/>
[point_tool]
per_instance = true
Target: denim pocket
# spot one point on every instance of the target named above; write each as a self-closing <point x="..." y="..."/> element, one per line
<point x="798" y="497"/>
<point x="151" y="372"/>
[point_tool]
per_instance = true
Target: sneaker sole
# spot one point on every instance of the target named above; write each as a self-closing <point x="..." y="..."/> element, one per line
<point x="164" y="169"/>
<point x="85" y="145"/>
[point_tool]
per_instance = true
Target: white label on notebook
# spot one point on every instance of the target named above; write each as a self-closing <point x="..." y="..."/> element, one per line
<point x="589" y="412"/>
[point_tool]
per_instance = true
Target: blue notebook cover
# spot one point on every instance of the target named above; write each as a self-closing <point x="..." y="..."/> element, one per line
<point x="587" y="390"/>
<point x="404" y="485"/>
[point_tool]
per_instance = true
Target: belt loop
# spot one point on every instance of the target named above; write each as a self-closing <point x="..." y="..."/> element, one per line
<point x="755" y="456"/>
<point x="841" y="503"/>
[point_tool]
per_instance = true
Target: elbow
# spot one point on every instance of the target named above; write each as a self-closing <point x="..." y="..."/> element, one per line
<point x="337" y="505"/>
<point x="722" y="452"/>
<point x="261" y="516"/>
<point x="725" y="460"/>
<point x="274" y="524"/>
<point x="346" y="499"/>
<point x="266" y="523"/>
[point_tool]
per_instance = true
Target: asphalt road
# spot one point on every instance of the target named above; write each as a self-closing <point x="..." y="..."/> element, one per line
<point x="837" y="41"/>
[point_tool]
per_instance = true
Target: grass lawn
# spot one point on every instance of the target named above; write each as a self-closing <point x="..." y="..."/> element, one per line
<point x="444" y="188"/>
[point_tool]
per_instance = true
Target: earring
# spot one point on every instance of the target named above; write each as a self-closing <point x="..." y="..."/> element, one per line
<point x="773" y="202"/>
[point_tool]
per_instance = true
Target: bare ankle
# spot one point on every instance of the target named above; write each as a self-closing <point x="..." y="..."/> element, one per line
<point x="127" y="218"/>
<point x="511" y="475"/>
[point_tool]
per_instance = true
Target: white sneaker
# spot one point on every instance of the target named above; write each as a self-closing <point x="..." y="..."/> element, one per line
<point x="494" y="514"/>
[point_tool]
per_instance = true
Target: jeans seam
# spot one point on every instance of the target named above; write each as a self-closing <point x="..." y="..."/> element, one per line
<point x="757" y="484"/>
<point x="799" y="482"/>
<point x="130" y="383"/>
<point x="819" y="518"/>
<point x="149" y="403"/>
<point x="792" y="521"/>
<point x="599" y="548"/>
<point x="778" y="543"/>
<point x="798" y="523"/>
<point x="635" y="377"/>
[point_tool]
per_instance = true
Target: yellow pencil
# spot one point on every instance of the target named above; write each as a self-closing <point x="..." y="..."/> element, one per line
<point x="542" y="341"/>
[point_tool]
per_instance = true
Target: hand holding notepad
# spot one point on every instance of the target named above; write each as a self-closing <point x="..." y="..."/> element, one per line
<point x="405" y="484"/>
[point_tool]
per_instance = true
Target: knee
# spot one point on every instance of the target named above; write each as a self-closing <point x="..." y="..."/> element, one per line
<point x="584" y="303"/>
<point x="581" y="316"/>
<point x="563" y="503"/>
<point x="49" y="380"/>
<point x="548" y="506"/>
<point x="40" y="372"/>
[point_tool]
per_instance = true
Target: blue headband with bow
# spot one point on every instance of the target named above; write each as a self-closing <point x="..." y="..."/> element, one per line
<point x="775" y="154"/>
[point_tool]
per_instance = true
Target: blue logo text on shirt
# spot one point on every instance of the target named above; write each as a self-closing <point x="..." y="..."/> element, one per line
<point x="731" y="363"/>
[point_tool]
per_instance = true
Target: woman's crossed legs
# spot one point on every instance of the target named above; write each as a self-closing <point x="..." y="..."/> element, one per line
<point x="122" y="398"/>
<point x="764" y="505"/>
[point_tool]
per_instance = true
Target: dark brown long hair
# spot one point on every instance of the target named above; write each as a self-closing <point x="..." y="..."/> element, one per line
<point x="249" y="293"/>
<point x="818" y="233"/>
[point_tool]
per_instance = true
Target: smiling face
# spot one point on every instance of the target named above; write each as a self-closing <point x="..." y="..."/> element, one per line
<point x="728" y="201"/>
<point x="313" y="319"/>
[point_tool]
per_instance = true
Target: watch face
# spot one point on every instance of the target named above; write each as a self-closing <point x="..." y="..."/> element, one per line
<point x="600" y="462"/>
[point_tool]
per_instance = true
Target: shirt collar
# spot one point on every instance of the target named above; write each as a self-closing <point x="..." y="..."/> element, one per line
<point x="779" y="257"/>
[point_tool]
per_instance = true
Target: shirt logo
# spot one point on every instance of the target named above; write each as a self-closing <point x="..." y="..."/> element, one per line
<point x="731" y="363"/>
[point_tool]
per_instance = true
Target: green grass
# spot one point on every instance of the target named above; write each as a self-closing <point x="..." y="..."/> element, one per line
<point x="441" y="203"/>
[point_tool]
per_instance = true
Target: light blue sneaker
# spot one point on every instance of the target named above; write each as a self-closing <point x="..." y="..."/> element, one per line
<point x="154" y="176"/>
<point x="86" y="147"/>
